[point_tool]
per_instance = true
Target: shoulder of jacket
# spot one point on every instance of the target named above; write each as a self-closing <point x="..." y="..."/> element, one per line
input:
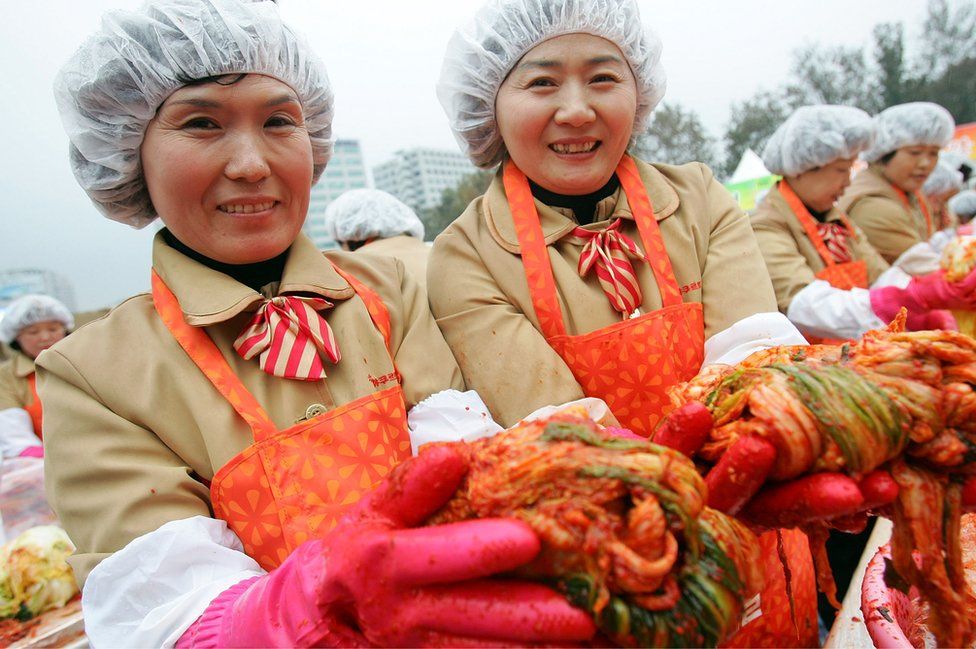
<point x="688" y="174"/>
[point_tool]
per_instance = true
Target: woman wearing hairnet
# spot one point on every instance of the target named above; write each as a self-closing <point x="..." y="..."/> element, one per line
<point x="202" y="441"/>
<point x="378" y="223"/>
<point x="583" y="272"/>
<point x="943" y="183"/>
<point x="885" y="199"/>
<point x="963" y="206"/>
<point x="821" y="264"/>
<point x="30" y="325"/>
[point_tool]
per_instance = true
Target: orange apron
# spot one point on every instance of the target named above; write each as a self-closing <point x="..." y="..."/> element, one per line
<point x="845" y="276"/>
<point x="34" y="407"/>
<point x="292" y="485"/>
<point x="630" y="364"/>
<point x="921" y="205"/>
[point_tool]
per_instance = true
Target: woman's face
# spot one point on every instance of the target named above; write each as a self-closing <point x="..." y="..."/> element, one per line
<point x="910" y="167"/>
<point x="566" y="112"/>
<point x="35" y="338"/>
<point x="820" y="188"/>
<point x="229" y="167"/>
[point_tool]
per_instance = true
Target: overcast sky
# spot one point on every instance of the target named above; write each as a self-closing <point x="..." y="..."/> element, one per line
<point x="383" y="58"/>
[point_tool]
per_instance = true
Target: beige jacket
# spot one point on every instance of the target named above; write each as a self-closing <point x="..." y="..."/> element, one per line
<point x="131" y="421"/>
<point x="875" y="206"/>
<point x="478" y="291"/>
<point x="410" y="250"/>
<point x="15" y="391"/>
<point x="790" y="257"/>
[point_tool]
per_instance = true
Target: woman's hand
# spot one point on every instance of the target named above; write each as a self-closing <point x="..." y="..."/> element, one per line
<point x="376" y="579"/>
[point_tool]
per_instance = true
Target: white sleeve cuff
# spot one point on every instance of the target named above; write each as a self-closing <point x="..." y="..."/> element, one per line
<point x="894" y="276"/>
<point x="941" y="239"/>
<point x="755" y="333"/>
<point x="450" y="416"/>
<point x="16" y="432"/>
<point x="149" y="593"/>
<point x="920" y="259"/>
<point x="597" y="410"/>
<point x="827" y="312"/>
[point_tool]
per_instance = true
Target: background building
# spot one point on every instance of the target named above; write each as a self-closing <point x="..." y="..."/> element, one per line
<point x="21" y="281"/>
<point x="419" y="176"/>
<point x="345" y="171"/>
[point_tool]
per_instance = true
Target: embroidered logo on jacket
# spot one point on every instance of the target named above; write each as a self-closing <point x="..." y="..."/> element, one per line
<point x="377" y="381"/>
<point x="688" y="288"/>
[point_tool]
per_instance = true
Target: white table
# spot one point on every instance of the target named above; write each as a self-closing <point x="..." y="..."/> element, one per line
<point x="848" y="630"/>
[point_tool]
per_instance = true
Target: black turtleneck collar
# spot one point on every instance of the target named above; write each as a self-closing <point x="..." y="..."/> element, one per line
<point x="820" y="216"/>
<point x="252" y="275"/>
<point x="584" y="207"/>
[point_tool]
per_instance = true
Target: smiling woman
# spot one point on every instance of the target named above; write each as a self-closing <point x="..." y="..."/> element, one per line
<point x="259" y="396"/>
<point x="583" y="272"/>
<point x="884" y="199"/>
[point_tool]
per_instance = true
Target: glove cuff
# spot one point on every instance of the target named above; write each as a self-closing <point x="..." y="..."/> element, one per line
<point x="205" y="632"/>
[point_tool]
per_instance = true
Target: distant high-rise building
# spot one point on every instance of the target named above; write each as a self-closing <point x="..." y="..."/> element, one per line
<point x="22" y="281"/>
<point x="345" y="171"/>
<point x="419" y="176"/>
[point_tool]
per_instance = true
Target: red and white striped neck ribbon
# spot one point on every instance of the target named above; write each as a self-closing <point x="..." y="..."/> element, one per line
<point x="610" y="251"/>
<point x="837" y="240"/>
<point x="290" y="338"/>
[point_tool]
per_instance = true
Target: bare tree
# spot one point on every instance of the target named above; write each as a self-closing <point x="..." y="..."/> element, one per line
<point x="675" y="136"/>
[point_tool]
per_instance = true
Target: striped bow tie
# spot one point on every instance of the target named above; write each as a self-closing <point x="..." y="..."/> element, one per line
<point x="836" y="239"/>
<point x="290" y="337"/>
<point x="610" y="251"/>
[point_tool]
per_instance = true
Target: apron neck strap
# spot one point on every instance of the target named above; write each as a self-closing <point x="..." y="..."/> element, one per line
<point x="922" y="206"/>
<point x="205" y="355"/>
<point x="650" y="232"/>
<point x="374" y="305"/>
<point x="809" y="223"/>
<point x="535" y="254"/>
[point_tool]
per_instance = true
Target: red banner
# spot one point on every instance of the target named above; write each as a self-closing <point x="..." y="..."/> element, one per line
<point x="964" y="141"/>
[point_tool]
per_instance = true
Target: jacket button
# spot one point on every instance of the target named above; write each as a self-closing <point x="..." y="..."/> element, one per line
<point x="315" y="410"/>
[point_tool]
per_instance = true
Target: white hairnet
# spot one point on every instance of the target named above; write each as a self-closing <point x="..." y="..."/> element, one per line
<point x="814" y="136"/>
<point x="481" y="54"/>
<point x="963" y="204"/>
<point x="113" y="85"/>
<point x="31" y="309"/>
<point x="363" y="214"/>
<point x="943" y="179"/>
<point x="913" y="124"/>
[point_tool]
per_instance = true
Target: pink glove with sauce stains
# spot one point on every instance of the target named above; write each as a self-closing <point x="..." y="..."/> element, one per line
<point x="377" y="580"/>
<point x="925" y="298"/>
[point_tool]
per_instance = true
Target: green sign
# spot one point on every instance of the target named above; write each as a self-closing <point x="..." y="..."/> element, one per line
<point x="748" y="192"/>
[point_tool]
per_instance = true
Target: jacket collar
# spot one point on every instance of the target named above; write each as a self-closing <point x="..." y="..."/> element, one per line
<point x="557" y="223"/>
<point x="23" y="365"/>
<point x="207" y="296"/>
<point x="875" y="184"/>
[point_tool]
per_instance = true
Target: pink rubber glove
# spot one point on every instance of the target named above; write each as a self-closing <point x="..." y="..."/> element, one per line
<point x="375" y="581"/>
<point x="33" y="451"/>
<point x="623" y="433"/>
<point x="737" y="483"/>
<point x="935" y="292"/>
<point x="887" y="301"/>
